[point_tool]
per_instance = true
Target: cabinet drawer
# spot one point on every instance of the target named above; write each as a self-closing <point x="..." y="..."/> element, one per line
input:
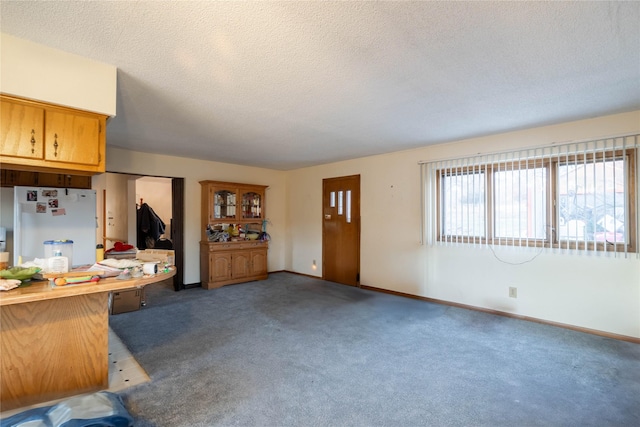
<point x="252" y="245"/>
<point x="234" y="246"/>
<point x="218" y="247"/>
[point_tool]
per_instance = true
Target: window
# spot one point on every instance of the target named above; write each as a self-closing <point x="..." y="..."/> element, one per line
<point x="463" y="198"/>
<point x="579" y="196"/>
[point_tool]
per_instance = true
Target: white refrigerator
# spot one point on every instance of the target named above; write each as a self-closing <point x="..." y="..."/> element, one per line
<point x="43" y="213"/>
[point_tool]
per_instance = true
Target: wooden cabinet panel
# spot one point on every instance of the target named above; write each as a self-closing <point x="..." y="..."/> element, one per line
<point x="44" y="137"/>
<point x="72" y="138"/>
<point x="21" y="130"/>
<point x="240" y="262"/>
<point x="53" y="349"/>
<point x="259" y="262"/>
<point x="78" y="181"/>
<point x="232" y="203"/>
<point x="12" y="178"/>
<point x="63" y="180"/>
<point x="221" y="267"/>
<point x="232" y="262"/>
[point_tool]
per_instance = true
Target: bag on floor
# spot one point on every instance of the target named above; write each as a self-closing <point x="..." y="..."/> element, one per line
<point x="102" y="409"/>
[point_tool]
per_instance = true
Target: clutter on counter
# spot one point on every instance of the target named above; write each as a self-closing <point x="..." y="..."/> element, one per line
<point x="122" y="262"/>
<point x="8" y="284"/>
<point x="121" y="251"/>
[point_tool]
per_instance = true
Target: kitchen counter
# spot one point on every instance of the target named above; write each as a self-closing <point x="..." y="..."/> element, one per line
<point x="54" y="341"/>
<point x="42" y="290"/>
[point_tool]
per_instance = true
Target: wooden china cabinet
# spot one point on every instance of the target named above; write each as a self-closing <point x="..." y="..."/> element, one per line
<point x="231" y="214"/>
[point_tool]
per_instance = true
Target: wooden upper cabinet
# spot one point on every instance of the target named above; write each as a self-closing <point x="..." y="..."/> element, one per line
<point x="228" y="202"/>
<point x="22" y="130"/>
<point x="44" y="137"/>
<point x="72" y="138"/>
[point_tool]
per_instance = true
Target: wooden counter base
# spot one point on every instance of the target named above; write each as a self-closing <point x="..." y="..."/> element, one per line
<point x="56" y="347"/>
<point x="53" y="349"/>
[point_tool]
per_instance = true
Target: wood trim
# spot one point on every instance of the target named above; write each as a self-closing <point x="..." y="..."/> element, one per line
<point x="177" y="229"/>
<point x="511" y="315"/>
<point x="233" y="184"/>
<point x="299" y="274"/>
<point x="104" y="219"/>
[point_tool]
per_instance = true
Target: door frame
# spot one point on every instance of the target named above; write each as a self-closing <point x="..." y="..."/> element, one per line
<point x="177" y="224"/>
<point x="177" y="230"/>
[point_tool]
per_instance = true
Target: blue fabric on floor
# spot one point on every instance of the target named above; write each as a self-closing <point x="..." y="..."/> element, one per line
<point x="101" y="409"/>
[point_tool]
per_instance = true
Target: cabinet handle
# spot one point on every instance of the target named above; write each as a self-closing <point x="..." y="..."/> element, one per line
<point x="55" y="145"/>
<point x="33" y="141"/>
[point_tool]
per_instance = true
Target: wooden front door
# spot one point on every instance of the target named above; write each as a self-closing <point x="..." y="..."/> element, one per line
<point x="341" y="230"/>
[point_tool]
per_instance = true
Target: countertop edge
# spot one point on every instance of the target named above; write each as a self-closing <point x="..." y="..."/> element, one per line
<point x="42" y="290"/>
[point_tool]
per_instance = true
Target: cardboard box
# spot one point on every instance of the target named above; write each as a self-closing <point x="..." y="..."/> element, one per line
<point x="125" y="301"/>
<point x="165" y="256"/>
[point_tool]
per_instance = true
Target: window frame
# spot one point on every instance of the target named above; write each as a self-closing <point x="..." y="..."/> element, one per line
<point x="551" y="164"/>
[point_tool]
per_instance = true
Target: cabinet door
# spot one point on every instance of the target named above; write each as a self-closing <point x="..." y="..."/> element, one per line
<point x="72" y="138"/>
<point x="78" y="181"/>
<point x="252" y="204"/>
<point x="224" y="204"/>
<point x="259" y="262"/>
<point x="21" y="130"/>
<point x="64" y="180"/>
<point x="220" y="267"/>
<point x="240" y="265"/>
<point x="12" y="178"/>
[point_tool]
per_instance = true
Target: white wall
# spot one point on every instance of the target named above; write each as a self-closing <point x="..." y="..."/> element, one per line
<point x="42" y="73"/>
<point x="193" y="171"/>
<point x="592" y="292"/>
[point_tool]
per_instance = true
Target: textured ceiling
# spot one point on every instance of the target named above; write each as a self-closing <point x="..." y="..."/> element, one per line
<point x="284" y="85"/>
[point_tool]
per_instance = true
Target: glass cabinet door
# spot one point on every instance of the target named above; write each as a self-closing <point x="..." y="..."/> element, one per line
<point x="251" y="205"/>
<point x="224" y="204"/>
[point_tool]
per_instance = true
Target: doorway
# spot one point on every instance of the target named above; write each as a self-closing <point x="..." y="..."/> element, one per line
<point x="341" y="230"/>
<point x="120" y="199"/>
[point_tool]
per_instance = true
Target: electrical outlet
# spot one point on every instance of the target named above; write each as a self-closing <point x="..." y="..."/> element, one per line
<point x="513" y="292"/>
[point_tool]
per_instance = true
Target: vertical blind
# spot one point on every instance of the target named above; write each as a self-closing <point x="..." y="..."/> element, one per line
<point x="578" y="196"/>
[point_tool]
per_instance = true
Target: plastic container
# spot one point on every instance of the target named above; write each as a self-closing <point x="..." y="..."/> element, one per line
<point x="4" y="260"/>
<point x="99" y="252"/>
<point x="59" y="248"/>
<point x="57" y="264"/>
